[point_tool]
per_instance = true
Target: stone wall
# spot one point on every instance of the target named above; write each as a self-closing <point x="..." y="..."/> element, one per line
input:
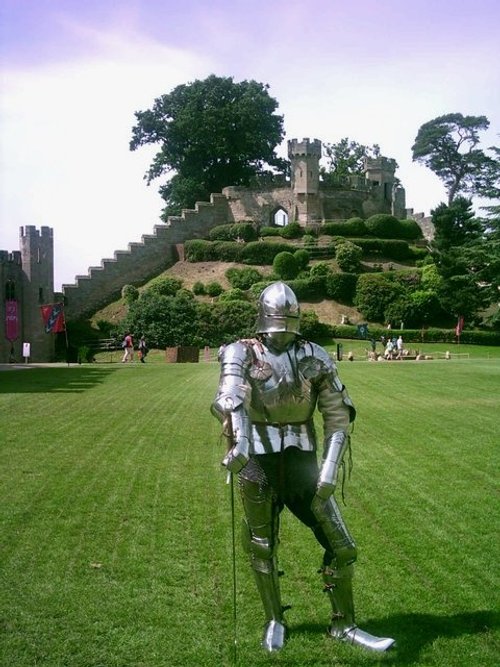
<point x="142" y="261"/>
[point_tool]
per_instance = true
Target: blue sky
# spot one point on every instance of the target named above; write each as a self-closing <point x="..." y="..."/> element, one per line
<point x="73" y="73"/>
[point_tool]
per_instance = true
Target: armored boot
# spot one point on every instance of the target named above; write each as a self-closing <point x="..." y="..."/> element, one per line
<point x="266" y="577"/>
<point x="338" y="586"/>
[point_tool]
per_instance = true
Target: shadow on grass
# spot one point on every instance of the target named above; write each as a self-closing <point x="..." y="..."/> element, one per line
<point x="413" y="632"/>
<point x="47" y="380"/>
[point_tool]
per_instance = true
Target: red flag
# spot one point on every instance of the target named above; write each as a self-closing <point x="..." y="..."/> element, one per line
<point x="459" y="327"/>
<point x="11" y="320"/>
<point x="53" y="317"/>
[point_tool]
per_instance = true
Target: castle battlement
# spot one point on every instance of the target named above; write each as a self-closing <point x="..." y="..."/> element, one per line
<point x="307" y="147"/>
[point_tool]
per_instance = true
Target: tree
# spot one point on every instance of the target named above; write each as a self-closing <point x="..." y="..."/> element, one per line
<point x="448" y="145"/>
<point x="346" y="158"/>
<point x="462" y="259"/>
<point x="212" y="133"/>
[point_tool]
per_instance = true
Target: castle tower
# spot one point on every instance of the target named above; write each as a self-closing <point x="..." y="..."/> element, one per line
<point x="388" y="193"/>
<point x="37" y="260"/>
<point x="304" y="156"/>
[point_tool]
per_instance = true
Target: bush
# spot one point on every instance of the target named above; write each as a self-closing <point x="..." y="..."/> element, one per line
<point x="214" y="288"/>
<point x="130" y="293"/>
<point x="309" y="240"/>
<point x="199" y="250"/>
<point x="292" y="231"/>
<point x="234" y="294"/>
<point x="308" y="289"/>
<point x="285" y="265"/>
<point x="228" y="251"/>
<point x="199" y="288"/>
<point x="302" y="257"/>
<point x="409" y="229"/>
<point x="351" y="227"/>
<point x="243" y="278"/>
<point x="374" y="293"/>
<point x="341" y="287"/>
<point x="312" y="329"/>
<point x="270" y="231"/>
<point x="382" y="225"/>
<point x="241" y="230"/>
<point x="348" y="256"/>
<point x="320" y="269"/>
<point x="257" y="288"/>
<point x="261" y="252"/>
<point x="164" y="286"/>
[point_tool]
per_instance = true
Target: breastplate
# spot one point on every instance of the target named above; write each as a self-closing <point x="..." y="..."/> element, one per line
<point x="282" y="404"/>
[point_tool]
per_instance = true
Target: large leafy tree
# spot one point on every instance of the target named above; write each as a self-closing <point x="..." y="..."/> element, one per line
<point x="211" y="133"/>
<point x="449" y="146"/>
<point x="461" y="255"/>
<point x="346" y="158"/>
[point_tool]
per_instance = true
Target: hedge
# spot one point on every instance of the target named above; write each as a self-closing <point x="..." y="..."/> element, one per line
<point x="231" y="232"/>
<point x="418" y="336"/>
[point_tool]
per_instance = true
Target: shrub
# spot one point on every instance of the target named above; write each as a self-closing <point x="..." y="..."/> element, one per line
<point x="257" y="288"/>
<point x="199" y="288"/>
<point x="309" y="240"/>
<point x="349" y="256"/>
<point x="374" y="292"/>
<point x="214" y="288"/>
<point x="164" y="286"/>
<point x="302" y="258"/>
<point x="320" y="269"/>
<point x="285" y="265"/>
<point x="351" y="227"/>
<point x="292" y="231"/>
<point x="312" y="288"/>
<point x="243" y="278"/>
<point x="130" y="293"/>
<point x="311" y="328"/>
<point x="199" y="250"/>
<point x="270" y="231"/>
<point x="341" y="287"/>
<point x="382" y="225"/>
<point x="228" y="251"/>
<point x="409" y="229"/>
<point x="234" y="294"/>
<point x="242" y="230"/>
<point x="261" y="252"/>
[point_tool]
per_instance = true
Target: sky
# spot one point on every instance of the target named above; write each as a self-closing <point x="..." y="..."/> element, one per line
<point x="73" y="73"/>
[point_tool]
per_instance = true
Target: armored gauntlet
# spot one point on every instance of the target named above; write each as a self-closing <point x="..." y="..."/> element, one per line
<point x="237" y="428"/>
<point x="335" y="447"/>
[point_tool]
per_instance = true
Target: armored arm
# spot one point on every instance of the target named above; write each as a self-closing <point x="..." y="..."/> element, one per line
<point x="230" y="404"/>
<point x="338" y="412"/>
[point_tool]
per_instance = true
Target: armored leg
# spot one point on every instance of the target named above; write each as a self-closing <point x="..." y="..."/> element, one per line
<point x="337" y="574"/>
<point x="260" y="538"/>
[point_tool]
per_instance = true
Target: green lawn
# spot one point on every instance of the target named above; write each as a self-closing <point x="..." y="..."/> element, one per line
<point x="115" y="521"/>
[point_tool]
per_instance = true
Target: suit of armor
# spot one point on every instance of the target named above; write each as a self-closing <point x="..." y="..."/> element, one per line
<point x="270" y="387"/>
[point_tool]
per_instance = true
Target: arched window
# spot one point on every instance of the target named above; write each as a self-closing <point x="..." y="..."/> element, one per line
<point x="280" y="218"/>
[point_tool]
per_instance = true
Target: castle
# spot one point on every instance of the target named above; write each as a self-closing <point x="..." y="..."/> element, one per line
<point x="26" y="276"/>
<point x="27" y="282"/>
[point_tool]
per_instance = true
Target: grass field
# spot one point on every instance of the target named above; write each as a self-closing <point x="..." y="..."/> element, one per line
<point x="115" y="521"/>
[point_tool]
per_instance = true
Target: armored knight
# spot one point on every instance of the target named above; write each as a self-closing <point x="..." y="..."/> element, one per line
<point x="269" y="388"/>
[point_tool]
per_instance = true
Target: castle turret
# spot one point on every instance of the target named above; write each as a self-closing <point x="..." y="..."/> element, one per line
<point x="37" y="259"/>
<point x="380" y="171"/>
<point x="305" y="156"/>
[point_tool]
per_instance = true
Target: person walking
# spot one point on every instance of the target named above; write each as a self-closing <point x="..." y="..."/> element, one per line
<point x="143" y="349"/>
<point x="128" y="347"/>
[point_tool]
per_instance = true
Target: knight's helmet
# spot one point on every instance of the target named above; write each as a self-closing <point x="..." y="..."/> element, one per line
<point x="279" y="310"/>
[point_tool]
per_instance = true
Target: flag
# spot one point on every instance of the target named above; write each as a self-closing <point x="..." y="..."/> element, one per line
<point x="459" y="327"/>
<point x="53" y="317"/>
<point x="11" y="320"/>
<point x="362" y="330"/>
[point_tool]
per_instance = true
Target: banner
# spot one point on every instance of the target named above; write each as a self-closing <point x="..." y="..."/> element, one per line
<point x="362" y="330"/>
<point x="53" y="317"/>
<point x="459" y="327"/>
<point x="11" y="320"/>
